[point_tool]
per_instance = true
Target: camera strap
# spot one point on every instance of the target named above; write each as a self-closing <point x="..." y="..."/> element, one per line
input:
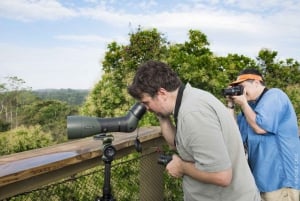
<point x="264" y="91"/>
<point x="178" y="102"/>
<point x="254" y="104"/>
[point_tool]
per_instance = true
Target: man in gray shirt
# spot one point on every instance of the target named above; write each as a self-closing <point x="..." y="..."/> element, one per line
<point x="211" y="158"/>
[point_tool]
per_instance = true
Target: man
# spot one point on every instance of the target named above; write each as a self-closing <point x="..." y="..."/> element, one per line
<point x="268" y="125"/>
<point x="211" y="157"/>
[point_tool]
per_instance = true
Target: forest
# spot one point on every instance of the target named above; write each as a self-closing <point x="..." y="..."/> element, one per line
<point x="70" y="96"/>
<point x="33" y="119"/>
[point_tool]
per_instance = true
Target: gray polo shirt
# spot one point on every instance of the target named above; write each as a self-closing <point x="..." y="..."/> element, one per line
<point x="207" y="134"/>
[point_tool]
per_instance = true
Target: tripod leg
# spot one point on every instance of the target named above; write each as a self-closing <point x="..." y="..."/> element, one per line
<point x="107" y="196"/>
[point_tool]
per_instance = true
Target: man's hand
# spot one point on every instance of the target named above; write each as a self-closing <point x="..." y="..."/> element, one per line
<point x="174" y="167"/>
<point x="240" y="100"/>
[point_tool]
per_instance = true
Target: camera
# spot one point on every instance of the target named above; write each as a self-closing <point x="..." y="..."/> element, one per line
<point x="164" y="159"/>
<point x="233" y="91"/>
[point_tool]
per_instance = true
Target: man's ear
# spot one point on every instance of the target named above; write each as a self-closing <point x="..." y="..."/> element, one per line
<point x="257" y="82"/>
<point x="162" y="91"/>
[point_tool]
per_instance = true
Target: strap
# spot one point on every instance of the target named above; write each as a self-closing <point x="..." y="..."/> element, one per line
<point x="178" y="102"/>
<point x="259" y="98"/>
<point x="261" y="95"/>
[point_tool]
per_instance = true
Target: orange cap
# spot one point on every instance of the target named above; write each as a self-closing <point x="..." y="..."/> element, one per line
<point x="245" y="77"/>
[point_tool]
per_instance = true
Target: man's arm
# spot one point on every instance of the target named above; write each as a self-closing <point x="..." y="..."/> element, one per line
<point x="251" y="118"/>
<point x="168" y="130"/>
<point x="177" y="168"/>
<point x="249" y="113"/>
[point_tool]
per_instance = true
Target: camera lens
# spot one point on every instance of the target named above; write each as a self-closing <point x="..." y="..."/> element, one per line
<point x="233" y="91"/>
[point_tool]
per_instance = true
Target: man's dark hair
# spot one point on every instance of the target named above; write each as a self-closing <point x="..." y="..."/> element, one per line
<point x="150" y="77"/>
<point x="251" y="71"/>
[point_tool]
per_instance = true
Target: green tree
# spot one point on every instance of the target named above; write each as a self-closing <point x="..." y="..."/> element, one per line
<point x="19" y="106"/>
<point x="11" y="99"/>
<point x="282" y="73"/>
<point x="71" y="96"/>
<point x="195" y="63"/>
<point x="23" y="139"/>
<point x="109" y="96"/>
<point x="192" y="60"/>
<point x="50" y="115"/>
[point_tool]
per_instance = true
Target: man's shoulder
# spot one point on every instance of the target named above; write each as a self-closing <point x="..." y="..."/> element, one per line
<point x="275" y="92"/>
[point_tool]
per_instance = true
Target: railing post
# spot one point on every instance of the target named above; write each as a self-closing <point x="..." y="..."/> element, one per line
<point x="151" y="178"/>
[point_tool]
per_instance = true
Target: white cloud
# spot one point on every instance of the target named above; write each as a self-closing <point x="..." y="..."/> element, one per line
<point x="231" y="26"/>
<point x="26" y="10"/>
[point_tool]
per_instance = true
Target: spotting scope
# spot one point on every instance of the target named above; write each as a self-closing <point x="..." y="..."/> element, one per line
<point x="85" y="126"/>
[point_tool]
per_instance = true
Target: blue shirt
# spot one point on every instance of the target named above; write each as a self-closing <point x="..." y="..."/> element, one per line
<point x="274" y="157"/>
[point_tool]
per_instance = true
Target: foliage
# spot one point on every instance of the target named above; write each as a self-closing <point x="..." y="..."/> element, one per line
<point x="50" y="115"/>
<point x="70" y="96"/>
<point x="109" y="97"/>
<point x="12" y="98"/>
<point x="279" y="74"/>
<point x="293" y="92"/>
<point x="4" y="125"/>
<point x="24" y="108"/>
<point x="127" y="169"/>
<point x="192" y="60"/>
<point x="195" y="63"/>
<point x="23" y="139"/>
<point x="87" y="185"/>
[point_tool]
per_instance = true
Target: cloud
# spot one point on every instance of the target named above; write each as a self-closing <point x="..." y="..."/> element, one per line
<point x="68" y="52"/>
<point x="26" y="10"/>
<point x="242" y="15"/>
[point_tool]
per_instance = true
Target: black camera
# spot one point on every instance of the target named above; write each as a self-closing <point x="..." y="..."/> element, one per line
<point x="233" y="91"/>
<point x="164" y="159"/>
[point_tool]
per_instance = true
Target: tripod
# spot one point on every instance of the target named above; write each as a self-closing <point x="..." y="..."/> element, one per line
<point x="108" y="153"/>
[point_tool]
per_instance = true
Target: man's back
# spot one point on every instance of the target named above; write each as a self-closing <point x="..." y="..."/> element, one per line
<point x="207" y="134"/>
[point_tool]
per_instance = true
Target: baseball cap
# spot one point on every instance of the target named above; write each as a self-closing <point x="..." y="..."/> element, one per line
<point x="244" y="77"/>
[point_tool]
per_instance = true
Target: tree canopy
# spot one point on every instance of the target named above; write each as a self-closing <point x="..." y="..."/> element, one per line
<point x="192" y="60"/>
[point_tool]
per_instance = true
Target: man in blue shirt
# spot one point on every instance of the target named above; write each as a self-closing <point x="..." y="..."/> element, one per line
<point x="269" y="129"/>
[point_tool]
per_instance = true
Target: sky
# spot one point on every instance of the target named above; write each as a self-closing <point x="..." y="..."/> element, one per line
<point x="60" y="44"/>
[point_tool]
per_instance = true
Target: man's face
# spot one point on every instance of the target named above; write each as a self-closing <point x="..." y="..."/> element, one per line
<point x="157" y="104"/>
<point x="250" y="89"/>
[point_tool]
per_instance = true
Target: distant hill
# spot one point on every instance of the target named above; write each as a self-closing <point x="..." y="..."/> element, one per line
<point x="71" y="96"/>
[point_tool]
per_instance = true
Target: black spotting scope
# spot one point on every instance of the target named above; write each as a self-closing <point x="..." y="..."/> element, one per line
<point x="84" y="126"/>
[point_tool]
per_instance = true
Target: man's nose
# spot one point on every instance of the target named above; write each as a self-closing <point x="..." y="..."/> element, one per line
<point x="147" y="107"/>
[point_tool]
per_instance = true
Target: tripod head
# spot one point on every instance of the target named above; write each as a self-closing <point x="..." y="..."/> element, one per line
<point x="108" y="150"/>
